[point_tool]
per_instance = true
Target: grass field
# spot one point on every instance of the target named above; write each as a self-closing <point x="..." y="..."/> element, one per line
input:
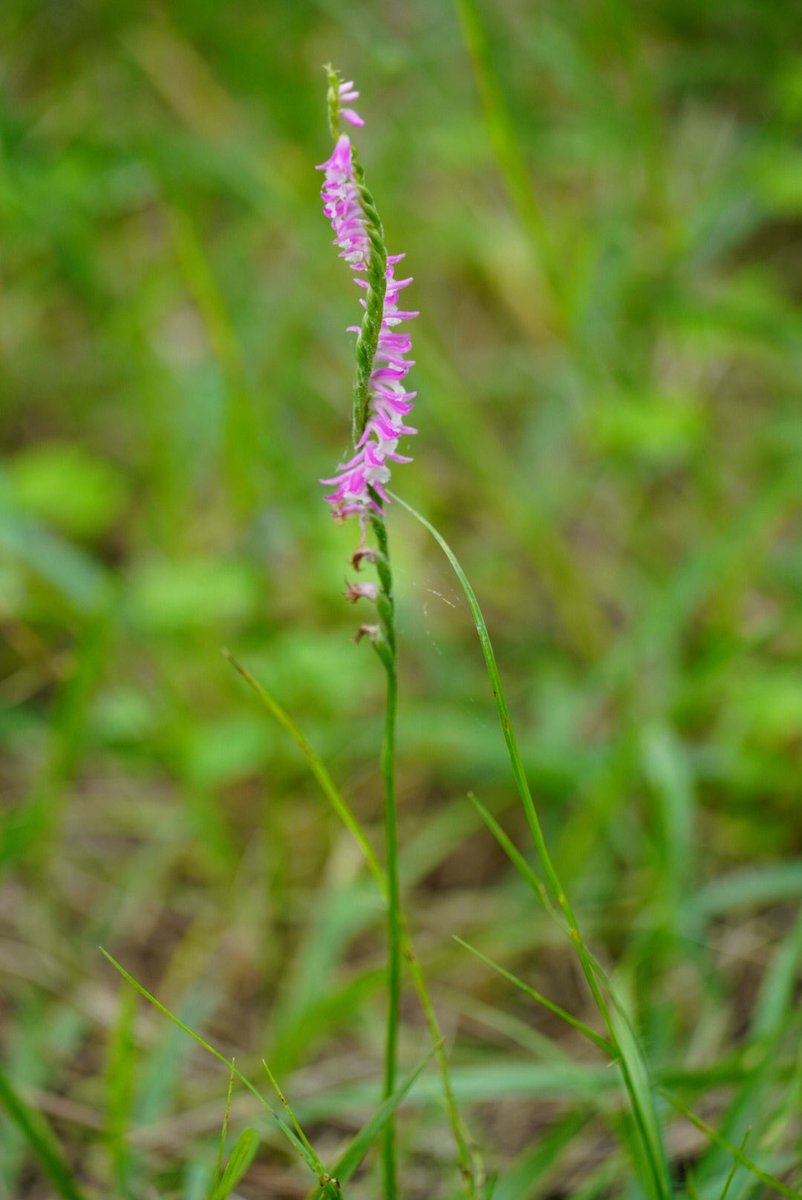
<point x="601" y="206"/>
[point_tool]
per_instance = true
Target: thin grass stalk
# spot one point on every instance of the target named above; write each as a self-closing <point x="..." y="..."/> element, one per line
<point x="394" y="960"/>
<point x="42" y="1141"/>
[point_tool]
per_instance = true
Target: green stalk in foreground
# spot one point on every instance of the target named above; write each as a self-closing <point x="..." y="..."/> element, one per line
<point x="631" y="1062"/>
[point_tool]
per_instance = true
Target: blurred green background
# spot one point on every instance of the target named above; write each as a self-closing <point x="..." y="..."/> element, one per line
<point x="601" y="205"/>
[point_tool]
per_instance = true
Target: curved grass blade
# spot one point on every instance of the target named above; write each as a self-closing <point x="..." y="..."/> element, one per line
<point x="514" y="855"/>
<point x="513" y="751"/>
<point x="631" y="1061"/>
<point x="311" y="1159"/>
<point x="325" y="781"/>
<point x="41" y="1139"/>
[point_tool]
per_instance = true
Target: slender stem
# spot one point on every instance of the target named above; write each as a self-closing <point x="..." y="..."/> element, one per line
<point x="368" y="338"/>
<point x="386" y="648"/>
<point x="393" y="922"/>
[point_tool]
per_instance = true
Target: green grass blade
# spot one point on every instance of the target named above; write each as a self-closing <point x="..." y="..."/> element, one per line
<point x="774" y="1010"/>
<point x="41" y="1139"/>
<point x="691" y="1186"/>
<point x="316" y="766"/>
<point x="544" y="1001"/>
<point x="312" y="1161"/>
<point x="119" y="1088"/>
<point x="287" y="1108"/>
<point x="516" y="761"/>
<point x="514" y="855"/>
<point x="641" y="1093"/>
<point x="350" y="1160"/>
<point x="734" y="1167"/>
<point x="242" y="1155"/>
<point x="666" y="767"/>
<point x="749" y="888"/>
<point x="218" y="1174"/>
<point x="736" y="1153"/>
<point x="487" y="1081"/>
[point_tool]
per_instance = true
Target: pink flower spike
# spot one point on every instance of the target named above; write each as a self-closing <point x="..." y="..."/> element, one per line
<point x="359" y="486"/>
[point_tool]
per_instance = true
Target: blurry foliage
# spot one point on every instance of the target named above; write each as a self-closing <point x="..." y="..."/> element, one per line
<point x="610" y="438"/>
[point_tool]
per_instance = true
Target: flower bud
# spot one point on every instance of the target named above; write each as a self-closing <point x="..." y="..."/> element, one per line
<point x="358" y="591"/>
<point x="363" y="554"/>
<point x="371" y="632"/>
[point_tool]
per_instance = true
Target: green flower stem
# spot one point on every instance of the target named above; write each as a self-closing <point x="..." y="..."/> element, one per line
<point x="386" y="649"/>
<point x="373" y="257"/>
<point x="393" y="924"/>
<point x="333" y="100"/>
<point x="368" y="338"/>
